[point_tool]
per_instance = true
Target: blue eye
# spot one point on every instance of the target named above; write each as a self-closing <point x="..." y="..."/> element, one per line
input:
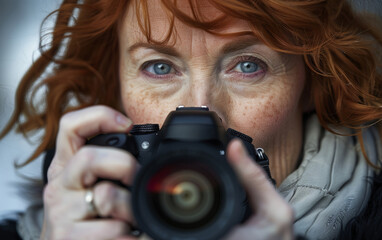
<point x="159" y="68"/>
<point x="247" y="67"/>
<point x="162" y="68"/>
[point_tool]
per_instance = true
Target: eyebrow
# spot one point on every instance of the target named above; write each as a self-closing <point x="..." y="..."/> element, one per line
<point x="229" y="47"/>
<point x="168" y="50"/>
<point x="239" y="44"/>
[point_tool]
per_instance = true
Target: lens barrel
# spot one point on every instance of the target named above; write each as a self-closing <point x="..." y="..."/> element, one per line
<point x="185" y="194"/>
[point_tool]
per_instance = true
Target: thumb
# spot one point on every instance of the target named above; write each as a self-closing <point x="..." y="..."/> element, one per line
<point x="254" y="179"/>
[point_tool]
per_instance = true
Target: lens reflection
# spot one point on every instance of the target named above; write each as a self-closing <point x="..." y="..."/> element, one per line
<point x="187" y="196"/>
<point x="184" y="196"/>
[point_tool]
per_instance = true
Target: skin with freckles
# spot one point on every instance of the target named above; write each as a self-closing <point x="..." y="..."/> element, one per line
<point x="253" y="88"/>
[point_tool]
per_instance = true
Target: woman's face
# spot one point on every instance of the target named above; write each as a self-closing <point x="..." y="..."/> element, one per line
<point x="253" y="89"/>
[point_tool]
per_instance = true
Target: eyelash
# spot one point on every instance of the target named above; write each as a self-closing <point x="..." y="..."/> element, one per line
<point x="158" y="76"/>
<point x="241" y="59"/>
<point x="231" y="67"/>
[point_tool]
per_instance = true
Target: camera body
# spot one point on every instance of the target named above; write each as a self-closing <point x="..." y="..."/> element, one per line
<point x="185" y="188"/>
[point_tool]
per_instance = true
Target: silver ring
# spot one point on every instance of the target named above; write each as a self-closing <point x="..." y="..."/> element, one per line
<point x="89" y="200"/>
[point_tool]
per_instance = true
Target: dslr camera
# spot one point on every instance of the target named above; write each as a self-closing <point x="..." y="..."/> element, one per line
<point x="185" y="188"/>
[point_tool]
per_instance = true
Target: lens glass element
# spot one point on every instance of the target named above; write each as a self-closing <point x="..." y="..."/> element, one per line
<point x="184" y="195"/>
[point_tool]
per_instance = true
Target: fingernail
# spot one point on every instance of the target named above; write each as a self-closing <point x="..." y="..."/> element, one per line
<point x="123" y="121"/>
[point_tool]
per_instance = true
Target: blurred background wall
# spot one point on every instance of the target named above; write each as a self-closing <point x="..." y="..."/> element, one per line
<point x="19" y="34"/>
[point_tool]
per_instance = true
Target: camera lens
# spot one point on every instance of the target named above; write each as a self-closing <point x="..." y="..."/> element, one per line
<point x="184" y="195"/>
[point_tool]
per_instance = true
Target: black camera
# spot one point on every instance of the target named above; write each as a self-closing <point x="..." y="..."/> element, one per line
<point x="185" y="188"/>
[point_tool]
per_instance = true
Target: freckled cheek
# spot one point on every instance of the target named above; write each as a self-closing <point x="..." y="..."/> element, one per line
<point x="142" y="107"/>
<point x="264" y="118"/>
<point x="271" y="120"/>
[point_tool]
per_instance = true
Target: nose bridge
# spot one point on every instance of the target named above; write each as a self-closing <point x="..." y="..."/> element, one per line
<point x="200" y="76"/>
<point x="203" y="85"/>
<point x="199" y="91"/>
<point x="204" y="90"/>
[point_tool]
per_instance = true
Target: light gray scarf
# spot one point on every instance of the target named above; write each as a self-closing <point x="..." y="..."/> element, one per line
<point x="29" y="225"/>
<point x="332" y="184"/>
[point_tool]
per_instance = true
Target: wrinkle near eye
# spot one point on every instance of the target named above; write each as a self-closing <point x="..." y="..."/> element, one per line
<point x="285" y="64"/>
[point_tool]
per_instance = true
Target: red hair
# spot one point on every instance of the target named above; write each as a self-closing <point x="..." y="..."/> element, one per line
<point x="79" y="66"/>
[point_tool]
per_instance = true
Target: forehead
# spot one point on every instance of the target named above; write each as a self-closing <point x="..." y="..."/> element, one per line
<point x="157" y="19"/>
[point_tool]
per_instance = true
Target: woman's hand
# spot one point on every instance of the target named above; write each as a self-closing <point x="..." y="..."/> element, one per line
<point x="272" y="217"/>
<point x="75" y="168"/>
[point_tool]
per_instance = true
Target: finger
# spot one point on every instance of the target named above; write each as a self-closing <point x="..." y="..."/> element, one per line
<point x="99" y="229"/>
<point x="72" y="199"/>
<point x="75" y="127"/>
<point x="273" y="217"/>
<point x="109" y="200"/>
<point x="113" y="201"/>
<point x="92" y="163"/>
<point x="143" y="237"/>
<point x="254" y="179"/>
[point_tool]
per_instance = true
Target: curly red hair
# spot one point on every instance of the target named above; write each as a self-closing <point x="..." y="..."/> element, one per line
<point x="78" y="67"/>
